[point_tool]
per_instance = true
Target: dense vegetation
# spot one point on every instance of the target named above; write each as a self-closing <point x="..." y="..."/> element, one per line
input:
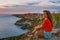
<point x="56" y="20"/>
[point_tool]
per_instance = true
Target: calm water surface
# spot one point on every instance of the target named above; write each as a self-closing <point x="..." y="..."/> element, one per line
<point x="7" y="27"/>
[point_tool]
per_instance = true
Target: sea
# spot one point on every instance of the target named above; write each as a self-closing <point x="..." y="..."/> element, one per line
<point x="7" y="27"/>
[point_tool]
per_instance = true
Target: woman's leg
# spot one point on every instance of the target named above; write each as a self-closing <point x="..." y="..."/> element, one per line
<point x="36" y="35"/>
<point x="39" y="33"/>
<point x="34" y="30"/>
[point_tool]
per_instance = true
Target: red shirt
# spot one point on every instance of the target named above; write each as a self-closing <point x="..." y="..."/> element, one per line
<point x="47" y="25"/>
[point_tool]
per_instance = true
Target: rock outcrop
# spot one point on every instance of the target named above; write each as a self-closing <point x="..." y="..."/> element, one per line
<point x="28" y="21"/>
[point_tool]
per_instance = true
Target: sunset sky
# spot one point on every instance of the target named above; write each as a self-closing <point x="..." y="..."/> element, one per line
<point x="10" y="4"/>
<point x="31" y="2"/>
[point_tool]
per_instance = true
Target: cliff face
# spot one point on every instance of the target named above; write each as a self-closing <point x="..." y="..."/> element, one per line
<point x="28" y="21"/>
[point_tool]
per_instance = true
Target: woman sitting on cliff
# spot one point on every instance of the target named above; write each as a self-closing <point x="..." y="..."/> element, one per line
<point x="46" y="25"/>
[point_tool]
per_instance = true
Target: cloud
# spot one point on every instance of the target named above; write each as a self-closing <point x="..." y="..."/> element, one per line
<point x="5" y="6"/>
<point x="35" y="3"/>
<point x="41" y="3"/>
<point x="46" y="3"/>
<point x="16" y="1"/>
<point x="30" y="2"/>
<point x="55" y="2"/>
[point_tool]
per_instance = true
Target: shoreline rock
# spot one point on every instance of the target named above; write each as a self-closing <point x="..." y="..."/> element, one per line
<point x="28" y="21"/>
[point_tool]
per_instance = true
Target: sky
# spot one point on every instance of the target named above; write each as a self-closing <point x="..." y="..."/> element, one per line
<point x="31" y="2"/>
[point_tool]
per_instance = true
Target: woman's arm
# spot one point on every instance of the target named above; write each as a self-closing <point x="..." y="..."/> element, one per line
<point x="39" y="26"/>
<point x="36" y="28"/>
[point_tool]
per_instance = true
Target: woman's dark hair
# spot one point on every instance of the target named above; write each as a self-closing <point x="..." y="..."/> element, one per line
<point x="49" y="16"/>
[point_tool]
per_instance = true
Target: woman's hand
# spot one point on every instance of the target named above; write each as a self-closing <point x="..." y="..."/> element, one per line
<point x="30" y="35"/>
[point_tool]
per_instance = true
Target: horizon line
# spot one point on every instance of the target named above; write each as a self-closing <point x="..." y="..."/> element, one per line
<point x="23" y="12"/>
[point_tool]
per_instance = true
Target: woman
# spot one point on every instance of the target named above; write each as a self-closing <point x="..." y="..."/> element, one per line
<point x="46" y="25"/>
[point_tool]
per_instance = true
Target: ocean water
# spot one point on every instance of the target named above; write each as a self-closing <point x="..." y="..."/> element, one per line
<point x="7" y="27"/>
